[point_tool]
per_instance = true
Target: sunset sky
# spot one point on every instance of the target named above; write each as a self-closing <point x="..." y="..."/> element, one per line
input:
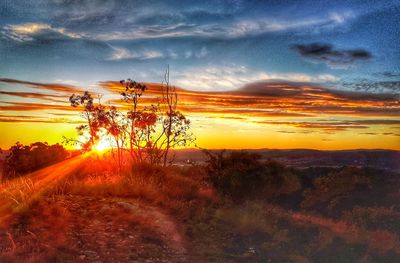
<point x="250" y="74"/>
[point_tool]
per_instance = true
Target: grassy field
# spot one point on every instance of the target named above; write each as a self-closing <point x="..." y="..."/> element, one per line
<point x="235" y="208"/>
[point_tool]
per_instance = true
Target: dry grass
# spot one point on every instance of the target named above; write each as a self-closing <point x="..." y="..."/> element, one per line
<point x="17" y="195"/>
<point x="217" y="229"/>
<point x="168" y="188"/>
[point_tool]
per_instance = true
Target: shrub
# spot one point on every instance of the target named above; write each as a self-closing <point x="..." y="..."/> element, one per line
<point x="334" y="185"/>
<point x="243" y="175"/>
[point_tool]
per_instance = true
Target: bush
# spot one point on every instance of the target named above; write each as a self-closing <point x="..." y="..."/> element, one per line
<point x="243" y="175"/>
<point x="24" y="159"/>
<point x="329" y="188"/>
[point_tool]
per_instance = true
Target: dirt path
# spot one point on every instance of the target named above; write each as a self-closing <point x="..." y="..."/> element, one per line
<point x="88" y="229"/>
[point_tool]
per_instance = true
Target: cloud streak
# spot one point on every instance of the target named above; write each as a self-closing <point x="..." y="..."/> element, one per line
<point x="25" y="106"/>
<point x="64" y="88"/>
<point x="231" y="77"/>
<point x="34" y="95"/>
<point x="86" y="26"/>
<point x="322" y="52"/>
<point x="28" y="31"/>
<point x="124" y="54"/>
<point x="279" y="98"/>
<point x="333" y="125"/>
<point x="298" y="105"/>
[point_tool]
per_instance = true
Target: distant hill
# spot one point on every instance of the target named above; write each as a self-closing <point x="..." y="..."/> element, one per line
<point x="303" y="158"/>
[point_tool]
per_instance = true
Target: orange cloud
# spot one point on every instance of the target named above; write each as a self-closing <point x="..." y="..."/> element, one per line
<point x="46" y="86"/>
<point x="265" y="101"/>
<point x="334" y="125"/>
<point x="288" y="99"/>
<point x="34" y="95"/>
<point x="22" y="106"/>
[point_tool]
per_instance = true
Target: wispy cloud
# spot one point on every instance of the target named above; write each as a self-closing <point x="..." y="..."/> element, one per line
<point x="217" y="78"/>
<point x="36" y="119"/>
<point x="25" y="106"/>
<point x="233" y="29"/>
<point x="261" y="26"/>
<point x="66" y="88"/>
<point x="27" y="31"/>
<point x="182" y="28"/>
<point x="278" y="98"/>
<point x="379" y="134"/>
<point x="35" y="95"/>
<point x="119" y="53"/>
<point x="333" y="125"/>
<point x="299" y="105"/>
<point x="53" y="96"/>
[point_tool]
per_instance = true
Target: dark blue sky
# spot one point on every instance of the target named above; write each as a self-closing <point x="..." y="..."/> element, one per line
<point x="208" y="44"/>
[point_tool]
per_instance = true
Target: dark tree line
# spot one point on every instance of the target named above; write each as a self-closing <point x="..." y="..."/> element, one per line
<point x="146" y="132"/>
<point x="24" y="159"/>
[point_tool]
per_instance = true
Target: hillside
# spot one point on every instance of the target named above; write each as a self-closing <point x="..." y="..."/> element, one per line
<point x="304" y="158"/>
<point x="81" y="210"/>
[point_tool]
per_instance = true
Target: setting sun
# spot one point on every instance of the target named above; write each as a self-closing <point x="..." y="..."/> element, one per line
<point x="102" y="145"/>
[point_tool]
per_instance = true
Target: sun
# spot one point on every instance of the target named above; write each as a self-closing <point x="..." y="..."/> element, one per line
<point x="102" y="145"/>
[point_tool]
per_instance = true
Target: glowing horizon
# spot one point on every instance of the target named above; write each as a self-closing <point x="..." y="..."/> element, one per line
<point x="275" y="115"/>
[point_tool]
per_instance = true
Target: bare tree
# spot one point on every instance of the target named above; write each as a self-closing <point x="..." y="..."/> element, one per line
<point x="175" y="125"/>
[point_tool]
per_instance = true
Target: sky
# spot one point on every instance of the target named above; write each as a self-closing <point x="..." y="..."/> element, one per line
<point x="251" y="74"/>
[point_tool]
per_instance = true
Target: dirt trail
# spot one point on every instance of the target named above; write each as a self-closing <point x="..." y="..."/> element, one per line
<point x="90" y="229"/>
<point x="161" y="221"/>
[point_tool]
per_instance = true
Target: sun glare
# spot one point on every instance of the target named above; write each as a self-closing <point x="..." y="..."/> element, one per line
<point x="102" y="145"/>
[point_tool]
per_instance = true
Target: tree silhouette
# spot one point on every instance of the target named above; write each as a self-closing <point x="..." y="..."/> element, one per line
<point x="93" y="113"/>
<point x="132" y="93"/>
<point x="115" y="127"/>
<point x="23" y="159"/>
<point x="149" y="132"/>
<point x="158" y="128"/>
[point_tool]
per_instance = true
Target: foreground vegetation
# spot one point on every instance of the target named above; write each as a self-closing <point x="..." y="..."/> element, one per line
<point x="235" y="208"/>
